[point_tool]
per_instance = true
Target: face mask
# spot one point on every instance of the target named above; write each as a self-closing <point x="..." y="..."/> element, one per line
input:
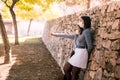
<point x="80" y="24"/>
<point x="77" y="32"/>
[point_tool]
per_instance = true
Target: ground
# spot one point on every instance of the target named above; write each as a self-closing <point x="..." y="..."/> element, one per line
<point x="30" y="61"/>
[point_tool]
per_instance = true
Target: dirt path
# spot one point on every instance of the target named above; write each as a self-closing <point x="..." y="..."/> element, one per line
<point x="31" y="61"/>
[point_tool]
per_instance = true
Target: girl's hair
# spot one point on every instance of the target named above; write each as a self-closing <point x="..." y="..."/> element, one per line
<point x="87" y="21"/>
<point x="81" y="29"/>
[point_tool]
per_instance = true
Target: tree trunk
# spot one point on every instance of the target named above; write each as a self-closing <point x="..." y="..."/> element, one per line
<point x="5" y="41"/>
<point x="29" y="27"/>
<point x="88" y="4"/>
<point x="15" y="25"/>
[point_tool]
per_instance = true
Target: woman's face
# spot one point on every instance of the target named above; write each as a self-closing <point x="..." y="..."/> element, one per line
<point x="82" y="22"/>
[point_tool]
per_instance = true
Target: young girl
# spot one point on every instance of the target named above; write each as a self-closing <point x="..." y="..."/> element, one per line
<point x="83" y="44"/>
<point x="78" y="32"/>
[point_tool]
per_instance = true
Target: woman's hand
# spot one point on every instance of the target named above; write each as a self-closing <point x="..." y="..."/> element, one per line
<point x="52" y="34"/>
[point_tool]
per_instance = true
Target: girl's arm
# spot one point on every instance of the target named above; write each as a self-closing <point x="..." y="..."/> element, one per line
<point x="71" y="36"/>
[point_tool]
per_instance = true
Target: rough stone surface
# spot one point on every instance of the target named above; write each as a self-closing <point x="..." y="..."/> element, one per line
<point x="115" y="45"/>
<point x="94" y="66"/>
<point x="98" y="75"/>
<point x="118" y="61"/>
<point x="117" y="71"/>
<point x="105" y="58"/>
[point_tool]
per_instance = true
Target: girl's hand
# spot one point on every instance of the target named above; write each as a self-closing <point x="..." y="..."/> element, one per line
<point x="52" y="34"/>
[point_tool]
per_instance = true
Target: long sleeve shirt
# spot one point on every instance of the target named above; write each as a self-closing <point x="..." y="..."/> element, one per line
<point x="85" y="39"/>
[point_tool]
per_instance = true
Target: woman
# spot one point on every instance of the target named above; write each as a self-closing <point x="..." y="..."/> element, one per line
<point x="83" y="47"/>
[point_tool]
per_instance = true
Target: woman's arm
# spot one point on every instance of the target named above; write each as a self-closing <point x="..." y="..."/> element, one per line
<point x="63" y="35"/>
<point x="89" y="40"/>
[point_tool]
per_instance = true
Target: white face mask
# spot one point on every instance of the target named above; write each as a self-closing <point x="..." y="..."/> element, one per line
<point x="77" y="32"/>
<point x="80" y="24"/>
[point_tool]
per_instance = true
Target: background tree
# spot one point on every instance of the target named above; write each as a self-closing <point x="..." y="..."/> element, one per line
<point x="5" y="41"/>
<point x="29" y="27"/>
<point x="88" y="4"/>
<point x="10" y="4"/>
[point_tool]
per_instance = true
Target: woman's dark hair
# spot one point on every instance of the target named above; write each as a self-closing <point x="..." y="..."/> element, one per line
<point x="81" y="29"/>
<point x="87" y="21"/>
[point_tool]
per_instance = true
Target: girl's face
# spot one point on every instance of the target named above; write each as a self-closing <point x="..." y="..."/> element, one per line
<point x="78" y="30"/>
<point x="82" y="22"/>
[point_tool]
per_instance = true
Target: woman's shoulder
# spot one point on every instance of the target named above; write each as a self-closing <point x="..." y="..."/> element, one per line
<point x="88" y="30"/>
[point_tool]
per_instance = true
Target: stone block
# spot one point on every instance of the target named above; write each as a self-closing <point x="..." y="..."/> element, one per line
<point x="106" y="44"/>
<point x="102" y="62"/>
<point x="113" y="62"/>
<point x="118" y="61"/>
<point x="117" y="71"/>
<point x="104" y="9"/>
<point x="98" y="74"/>
<point x="109" y="24"/>
<point x="101" y="30"/>
<point x="98" y="42"/>
<point x="117" y="13"/>
<point x="113" y="35"/>
<point x="87" y="76"/>
<point x="118" y="5"/>
<point x="92" y="74"/>
<point x="108" y="66"/>
<point x="97" y="56"/>
<point x="112" y="7"/>
<point x="113" y="74"/>
<point x="94" y="65"/>
<point x="106" y="74"/>
<point x="111" y="54"/>
<point x="115" y="45"/>
<point x="115" y="25"/>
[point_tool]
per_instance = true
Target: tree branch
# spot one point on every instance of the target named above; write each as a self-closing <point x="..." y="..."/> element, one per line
<point x="14" y="2"/>
<point x="5" y="1"/>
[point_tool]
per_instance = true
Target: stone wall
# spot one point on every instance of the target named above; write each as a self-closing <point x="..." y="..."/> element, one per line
<point x="104" y="63"/>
